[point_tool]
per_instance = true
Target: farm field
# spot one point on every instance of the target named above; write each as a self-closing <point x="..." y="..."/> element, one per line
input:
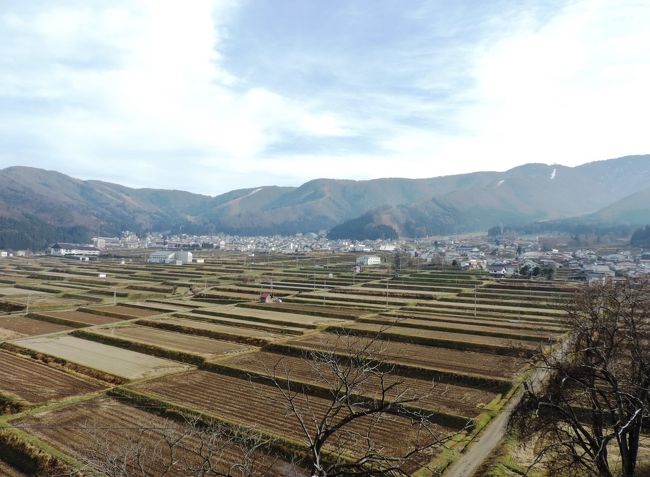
<point x="81" y="317"/>
<point x="37" y="383"/>
<point x="204" y="326"/>
<point x="264" y="407"/>
<point x="312" y="310"/>
<point x="109" y="359"/>
<point x="7" y="471"/>
<point x="473" y="339"/>
<point x="424" y="320"/>
<point x="17" y="326"/>
<point x="172" y="340"/>
<point x="431" y="395"/>
<point x="12" y="291"/>
<point x="125" y="311"/>
<point x="476" y="327"/>
<point x="101" y="427"/>
<point x="199" y="338"/>
<point x="269" y="316"/>
<point x="415" y="355"/>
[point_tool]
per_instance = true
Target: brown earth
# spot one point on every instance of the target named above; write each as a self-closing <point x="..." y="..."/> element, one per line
<point x="38" y="383"/>
<point x="264" y="407"/>
<point x="24" y="326"/>
<point x="173" y="340"/>
<point x="451" y="360"/>
<point x="93" y="430"/>
<point x="82" y="317"/>
<point x="448" y="398"/>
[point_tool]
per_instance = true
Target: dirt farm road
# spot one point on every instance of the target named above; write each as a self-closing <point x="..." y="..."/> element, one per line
<point x="479" y="450"/>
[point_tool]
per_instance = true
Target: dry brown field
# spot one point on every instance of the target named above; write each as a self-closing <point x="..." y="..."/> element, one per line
<point x="270" y="316"/>
<point x="109" y="359"/>
<point x="263" y="407"/>
<point x="453" y="338"/>
<point x="219" y="329"/>
<point x="314" y="310"/>
<point x="476" y="328"/>
<point x="8" y="471"/>
<point x="502" y="325"/>
<point x="173" y="340"/>
<point x="126" y="311"/>
<point x="37" y="383"/>
<point x="81" y="317"/>
<point x="12" y="326"/>
<point x="90" y="430"/>
<point x="430" y="395"/>
<point x="444" y="359"/>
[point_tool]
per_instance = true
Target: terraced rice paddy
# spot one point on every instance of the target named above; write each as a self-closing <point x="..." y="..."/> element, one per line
<point x="430" y="394"/>
<point x="78" y="317"/>
<point x="446" y="339"/>
<point x="264" y="407"/>
<point x="127" y="312"/>
<point x="36" y="383"/>
<point x="109" y="359"/>
<point x="199" y="345"/>
<point x="214" y="329"/>
<point x="455" y="362"/>
<point x="198" y="338"/>
<point x="16" y="326"/>
<point x="269" y="317"/>
<point x="145" y="442"/>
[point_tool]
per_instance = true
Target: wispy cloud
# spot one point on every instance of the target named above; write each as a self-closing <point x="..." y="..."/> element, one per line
<point x="211" y="95"/>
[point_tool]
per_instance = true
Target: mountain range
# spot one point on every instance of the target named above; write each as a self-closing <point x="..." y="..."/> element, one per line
<point x="39" y="206"/>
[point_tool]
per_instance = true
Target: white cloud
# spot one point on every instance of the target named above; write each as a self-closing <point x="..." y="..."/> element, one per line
<point x="130" y="90"/>
<point x="133" y="80"/>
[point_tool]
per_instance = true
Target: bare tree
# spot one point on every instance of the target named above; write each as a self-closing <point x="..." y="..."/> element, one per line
<point x="351" y="399"/>
<point x="589" y="417"/>
<point x="190" y="448"/>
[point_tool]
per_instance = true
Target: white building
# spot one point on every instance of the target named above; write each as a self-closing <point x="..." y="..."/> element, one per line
<point x="3" y="253"/>
<point x="63" y="249"/>
<point x="368" y="260"/>
<point x="167" y="256"/>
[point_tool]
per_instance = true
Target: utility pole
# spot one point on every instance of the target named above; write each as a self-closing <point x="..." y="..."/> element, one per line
<point x="475" y="287"/>
<point x="114" y="296"/>
<point x="27" y="308"/>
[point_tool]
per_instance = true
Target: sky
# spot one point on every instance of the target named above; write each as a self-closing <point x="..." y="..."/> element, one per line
<point x="214" y="95"/>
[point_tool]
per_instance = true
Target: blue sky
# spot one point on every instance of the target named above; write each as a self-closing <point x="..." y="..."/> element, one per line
<point x="212" y="95"/>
